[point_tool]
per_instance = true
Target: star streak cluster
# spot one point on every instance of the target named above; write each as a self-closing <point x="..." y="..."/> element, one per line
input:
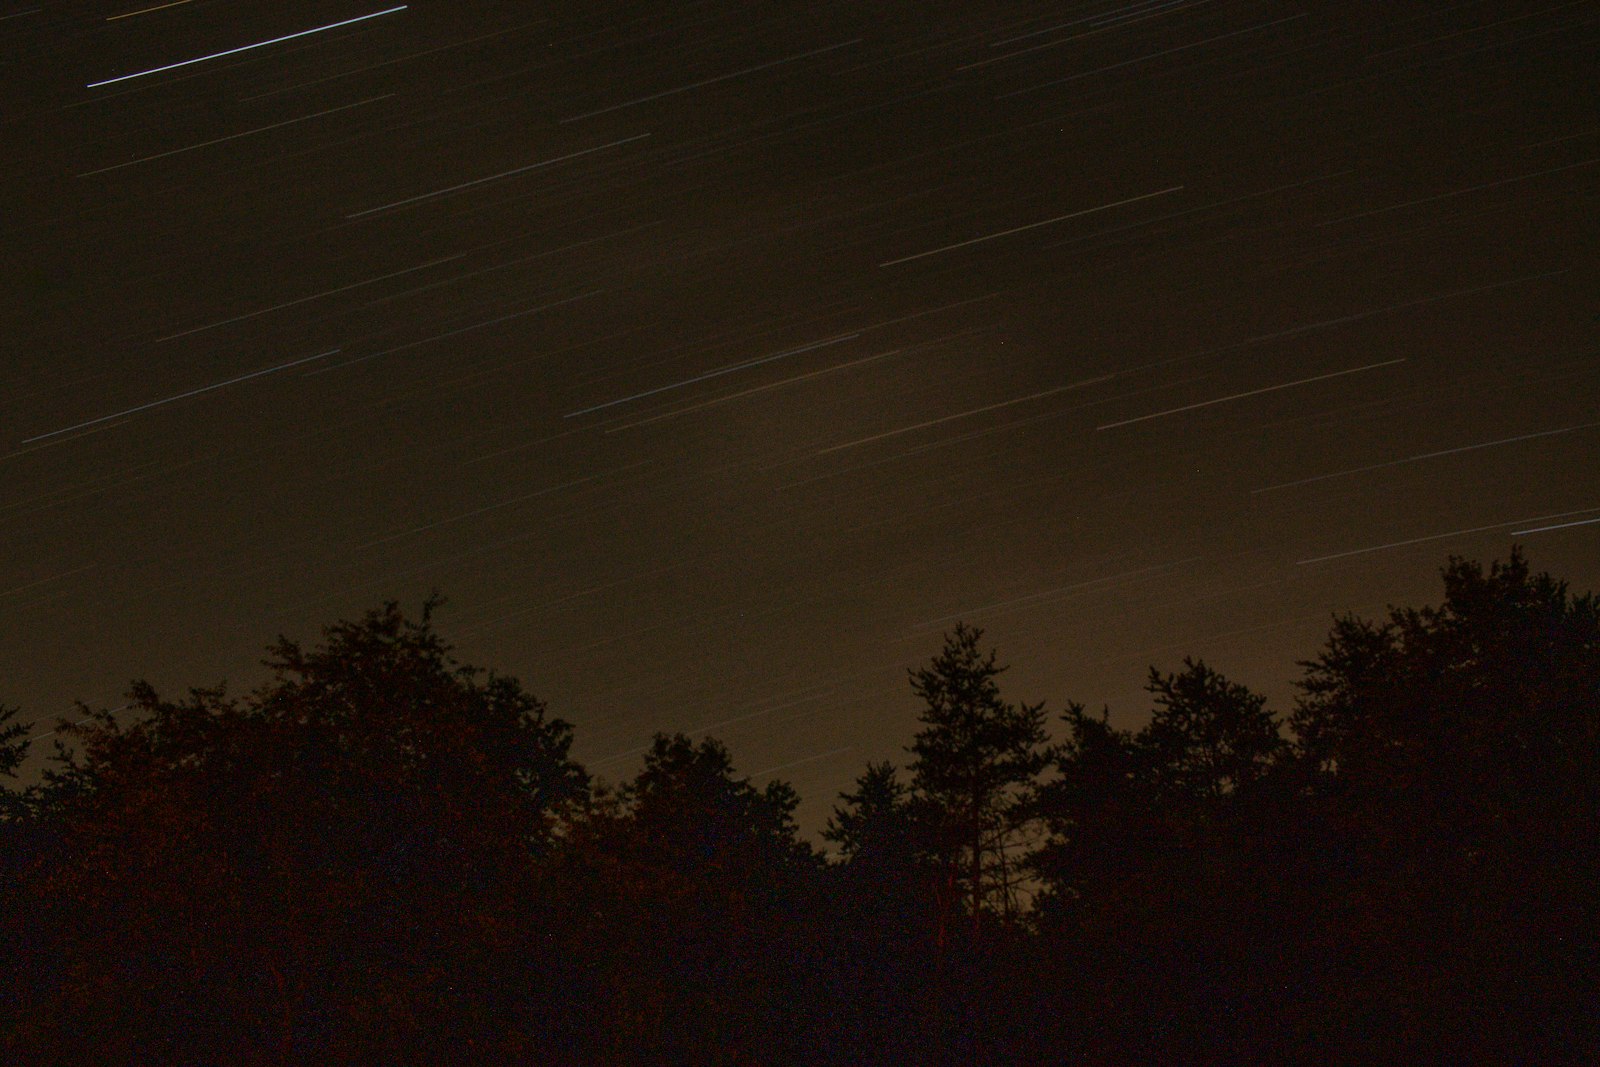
<point x="713" y="357"/>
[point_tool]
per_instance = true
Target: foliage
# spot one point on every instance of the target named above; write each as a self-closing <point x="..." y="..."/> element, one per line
<point x="308" y="869"/>
<point x="382" y="855"/>
<point x="974" y="769"/>
<point x="684" y="885"/>
<point x="873" y="827"/>
<point x="1452" y="760"/>
<point x="1208" y="737"/>
<point x="13" y="750"/>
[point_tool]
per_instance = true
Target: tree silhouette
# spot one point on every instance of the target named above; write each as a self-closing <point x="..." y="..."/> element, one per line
<point x="1453" y="756"/>
<point x="14" y="746"/>
<point x="1208" y="737"/>
<point x="882" y="920"/>
<point x="324" y="866"/>
<point x="873" y="826"/>
<point x="686" y="883"/>
<point x="693" y="814"/>
<point x="976" y="762"/>
<point x="382" y="855"/>
<point x="1094" y="806"/>
<point x="1156" y="871"/>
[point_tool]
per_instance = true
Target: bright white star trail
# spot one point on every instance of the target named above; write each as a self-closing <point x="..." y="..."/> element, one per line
<point x="242" y="48"/>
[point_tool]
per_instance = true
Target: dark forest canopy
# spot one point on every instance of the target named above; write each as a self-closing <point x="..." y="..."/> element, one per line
<point x="385" y="856"/>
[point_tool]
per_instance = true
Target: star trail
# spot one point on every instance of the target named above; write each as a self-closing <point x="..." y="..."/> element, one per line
<point x="711" y="357"/>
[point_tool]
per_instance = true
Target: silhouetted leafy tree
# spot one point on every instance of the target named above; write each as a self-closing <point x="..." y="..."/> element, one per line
<point x="327" y="870"/>
<point x="881" y="920"/>
<point x="384" y="856"/>
<point x="19" y="842"/>
<point x="873" y="826"/>
<point x="976" y="762"/>
<point x="1208" y="737"/>
<point x="1453" y="755"/>
<point x="1477" y="711"/>
<point x="1152" y="872"/>
<point x="691" y="882"/>
<point x="694" y="815"/>
<point x="13" y="750"/>
<point x="1094" y="806"/>
<point x="1122" y="801"/>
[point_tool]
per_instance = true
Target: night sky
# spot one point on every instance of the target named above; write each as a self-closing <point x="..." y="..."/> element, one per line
<point x="714" y="358"/>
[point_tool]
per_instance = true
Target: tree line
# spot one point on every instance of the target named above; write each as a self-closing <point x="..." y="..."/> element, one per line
<point x="382" y="855"/>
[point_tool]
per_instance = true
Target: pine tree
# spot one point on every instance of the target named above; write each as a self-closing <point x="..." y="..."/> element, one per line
<point x="1207" y="736"/>
<point x="13" y="750"/>
<point x="976" y="763"/>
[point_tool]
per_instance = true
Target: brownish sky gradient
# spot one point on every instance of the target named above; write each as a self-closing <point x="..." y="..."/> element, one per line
<point x="714" y="357"/>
